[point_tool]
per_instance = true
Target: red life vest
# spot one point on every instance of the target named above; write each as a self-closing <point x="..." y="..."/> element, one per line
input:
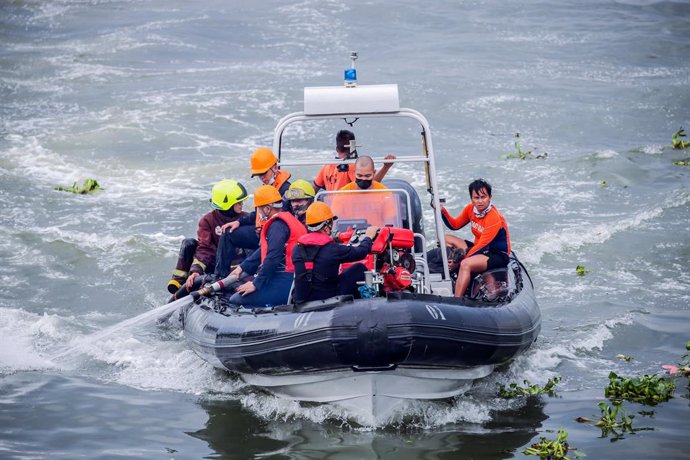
<point x="316" y="239"/>
<point x="296" y="230"/>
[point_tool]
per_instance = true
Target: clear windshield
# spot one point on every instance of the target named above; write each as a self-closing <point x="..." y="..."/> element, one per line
<point x="359" y="209"/>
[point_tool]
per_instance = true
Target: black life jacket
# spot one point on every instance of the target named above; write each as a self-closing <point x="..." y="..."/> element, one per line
<point x="308" y="247"/>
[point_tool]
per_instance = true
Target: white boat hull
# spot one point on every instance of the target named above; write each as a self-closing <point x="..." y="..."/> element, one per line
<point x="372" y="397"/>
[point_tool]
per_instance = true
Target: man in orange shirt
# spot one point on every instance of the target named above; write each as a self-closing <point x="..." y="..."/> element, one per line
<point x="491" y="247"/>
<point x="377" y="208"/>
<point x="335" y="176"/>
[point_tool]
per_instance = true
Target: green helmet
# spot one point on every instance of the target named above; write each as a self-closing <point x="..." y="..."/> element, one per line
<point x="300" y="190"/>
<point x="227" y="193"/>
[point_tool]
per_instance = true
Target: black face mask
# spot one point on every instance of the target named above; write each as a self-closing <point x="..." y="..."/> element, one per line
<point x="364" y="183"/>
<point x="299" y="208"/>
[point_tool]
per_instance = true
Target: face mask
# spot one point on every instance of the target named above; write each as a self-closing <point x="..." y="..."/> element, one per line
<point x="263" y="216"/>
<point x="299" y="209"/>
<point x="364" y="183"/>
<point x="270" y="182"/>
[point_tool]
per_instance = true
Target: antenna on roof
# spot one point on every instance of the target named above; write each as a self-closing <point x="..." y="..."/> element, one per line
<point x="351" y="73"/>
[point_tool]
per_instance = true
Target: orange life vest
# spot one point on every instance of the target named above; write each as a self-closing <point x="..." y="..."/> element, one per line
<point x="296" y="230"/>
<point x="280" y="179"/>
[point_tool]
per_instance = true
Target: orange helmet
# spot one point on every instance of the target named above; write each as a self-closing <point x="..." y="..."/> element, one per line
<point x="262" y="160"/>
<point x="265" y="195"/>
<point x="317" y="214"/>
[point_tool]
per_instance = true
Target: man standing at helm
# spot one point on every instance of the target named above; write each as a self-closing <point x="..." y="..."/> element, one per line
<point x="272" y="262"/>
<point x="335" y="176"/>
<point x="198" y="256"/>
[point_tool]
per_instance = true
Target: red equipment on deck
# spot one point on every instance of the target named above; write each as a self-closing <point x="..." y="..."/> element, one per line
<point x="390" y="256"/>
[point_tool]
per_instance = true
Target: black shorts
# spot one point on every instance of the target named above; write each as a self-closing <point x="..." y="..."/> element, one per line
<point x="497" y="259"/>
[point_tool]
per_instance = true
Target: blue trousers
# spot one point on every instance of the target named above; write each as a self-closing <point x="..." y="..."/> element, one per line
<point x="244" y="237"/>
<point x="275" y="292"/>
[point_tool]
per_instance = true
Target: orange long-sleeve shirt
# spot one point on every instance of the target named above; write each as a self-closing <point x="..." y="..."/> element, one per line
<point x="490" y="232"/>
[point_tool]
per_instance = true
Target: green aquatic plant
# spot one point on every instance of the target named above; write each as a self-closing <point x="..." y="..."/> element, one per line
<point x="521" y="154"/>
<point x="649" y="390"/>
<point x="581" y="270"/>
<point x="614" y="420"/>
<point x="685" y="162"/>
<point x="514" y="390"/>
<point x="677" y="142"/>
<point x="624" y="357"/>
<point x="552" y="450"/>
<point x="90" y="186"/>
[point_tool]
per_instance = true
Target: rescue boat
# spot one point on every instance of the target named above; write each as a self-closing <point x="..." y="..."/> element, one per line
<point x="407" y="337"/>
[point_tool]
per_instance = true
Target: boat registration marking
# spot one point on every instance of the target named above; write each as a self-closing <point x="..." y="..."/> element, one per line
<point x="435" y="312"/>
<point x="302" y="319"/>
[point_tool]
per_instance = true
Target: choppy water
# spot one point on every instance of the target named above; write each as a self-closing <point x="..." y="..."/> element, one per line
<point x="159" y="99"/>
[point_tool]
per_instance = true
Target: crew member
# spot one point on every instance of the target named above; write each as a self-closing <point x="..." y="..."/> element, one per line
<point x="244" y="233"/>
<point x="317" y="258"/>
<point x="198" y="256"/>
<point x="299" y="196"/>
<point x="264" y="164"/>
<point x="335" y="176"/>
<point x="272" y="262"/>
<point x="491" y="247"/>
<point x="377" y="208"/>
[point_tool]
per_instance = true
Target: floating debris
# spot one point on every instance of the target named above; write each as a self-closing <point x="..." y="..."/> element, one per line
<point x="524" y="154"/>
<point x="678" y="143"/>
<point x="90" y="186"/>
<point x="581" y="270"/>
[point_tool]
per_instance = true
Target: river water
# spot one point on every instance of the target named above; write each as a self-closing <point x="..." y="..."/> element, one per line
<point x="157" y="100"/>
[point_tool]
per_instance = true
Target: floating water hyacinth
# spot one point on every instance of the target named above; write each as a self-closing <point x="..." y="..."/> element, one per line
<point x="581" y="270"/>
<point x="555" y="450"/>
<point x="677" y="142"/>
<point x="90" y="186"/>
<point x="514" y="390"/>
<point x="614" y="420"/>
<point x="648" y="389"/>
<point x="521" y="154"/>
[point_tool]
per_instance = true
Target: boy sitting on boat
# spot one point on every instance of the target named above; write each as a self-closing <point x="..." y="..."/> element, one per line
<point x="491" y="246"/>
